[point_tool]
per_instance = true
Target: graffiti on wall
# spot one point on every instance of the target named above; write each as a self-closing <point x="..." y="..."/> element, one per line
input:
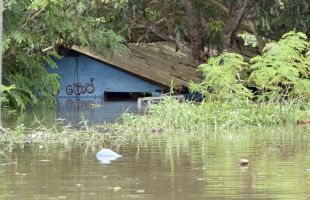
<point x="79" y="88"/>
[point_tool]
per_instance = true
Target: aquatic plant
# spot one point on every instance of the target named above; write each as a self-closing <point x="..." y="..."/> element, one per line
<point x="58" y="133"/>
<point x="218" y="115"/>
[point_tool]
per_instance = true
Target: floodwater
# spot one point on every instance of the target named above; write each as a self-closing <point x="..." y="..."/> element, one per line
<point x="166" y="167"/>
<point x="94" y="110"/>
<point x="74" y="111"/>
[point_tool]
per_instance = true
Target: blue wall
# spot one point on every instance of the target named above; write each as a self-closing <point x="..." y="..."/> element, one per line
<point x="84" y="77"/>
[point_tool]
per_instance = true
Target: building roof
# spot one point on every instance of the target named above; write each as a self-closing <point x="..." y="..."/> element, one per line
<point x="157" y="62"/>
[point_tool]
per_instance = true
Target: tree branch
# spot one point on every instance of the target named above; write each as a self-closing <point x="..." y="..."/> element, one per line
<point x="154" y="28"/>
<point x="251" y="27"/>
<point x="30" y="18"/>
<point x="219" y="5"/>
<point x="234" y="21"/>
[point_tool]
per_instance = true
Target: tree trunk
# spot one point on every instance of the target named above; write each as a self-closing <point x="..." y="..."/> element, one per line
<point x="260" y="42"/>
<point x="251" y="27"/>
<point x="236" y="13"/>
<point x="165" y="11"/>
<point x="1" y="46"/>
<point x="194" y="28"/>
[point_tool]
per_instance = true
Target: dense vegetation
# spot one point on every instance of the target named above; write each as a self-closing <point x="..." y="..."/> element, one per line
<point x="195" y="24"/>
<point x="34" y="29"/>
<point x="270" y="90"/>
<point x="281" y="73"/>
<point x="250" y="106"/>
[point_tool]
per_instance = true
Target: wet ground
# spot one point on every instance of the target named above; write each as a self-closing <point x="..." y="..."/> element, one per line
<point x="170" y="167"/>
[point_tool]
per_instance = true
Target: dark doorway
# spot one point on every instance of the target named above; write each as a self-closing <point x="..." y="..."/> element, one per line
<point x="124" y="96"/>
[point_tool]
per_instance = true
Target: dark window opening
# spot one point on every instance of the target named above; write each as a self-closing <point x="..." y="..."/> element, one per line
<point x="124" y="96"/>
<point x="63" y="51"/>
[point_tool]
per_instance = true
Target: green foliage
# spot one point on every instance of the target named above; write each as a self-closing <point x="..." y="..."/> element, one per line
<point x="212" y="34"/>
<point x="280" y="78"/>
<point x="5" y="90"/>
<point x="295" y="15"/>
<point x="270" y="18"/>
<point x="249" y="39"/>
<point x="55" y="133"/>
<point x="218" y="115"/>
<point x="223" y="77"/>
<point x="31" y="27"/>
<point x="106" y="43"/>
<point x="283" y="69"/>
<point x="281" y="73"/>
<point x="4" y="99"/>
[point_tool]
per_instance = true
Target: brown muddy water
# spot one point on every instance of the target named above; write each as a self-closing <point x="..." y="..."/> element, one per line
<point x="166" y="167"/>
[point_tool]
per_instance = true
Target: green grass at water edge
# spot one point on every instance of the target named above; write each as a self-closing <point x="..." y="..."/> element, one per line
<point x="170" y="143"/>
<point x="171" y="114"/>
<point x="169" y="117"/>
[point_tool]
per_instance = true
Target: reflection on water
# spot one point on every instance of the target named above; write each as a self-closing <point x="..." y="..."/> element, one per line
<point x="73" y="111"/>
<point x="94" y="110"/>
<point x="174" y="167"/>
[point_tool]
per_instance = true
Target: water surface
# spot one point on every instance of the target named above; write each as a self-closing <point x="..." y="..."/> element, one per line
<point x="166" y="167"/>
<point x="94" y="110"/>
<point x="74" y="111"/>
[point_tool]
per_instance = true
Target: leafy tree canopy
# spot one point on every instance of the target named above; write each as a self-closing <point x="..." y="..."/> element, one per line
<point x="197" y="24"/>
<point x="33" y="29"/>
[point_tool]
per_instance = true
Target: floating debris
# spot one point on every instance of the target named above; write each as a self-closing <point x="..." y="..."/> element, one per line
<point x="105" y="156"/>
<point x="158" y="130"/>
<point x="244" y="162"/>
<point x="45" y="160"/>
<point x="303" y="122"/>
<point x="96" y="106"/>
<point x="117" y="188"/>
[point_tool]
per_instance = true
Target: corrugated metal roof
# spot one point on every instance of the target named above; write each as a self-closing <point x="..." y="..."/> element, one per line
<point x="157" y="62"/>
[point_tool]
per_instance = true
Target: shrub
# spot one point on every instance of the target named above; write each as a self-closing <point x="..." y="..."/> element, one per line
<point x="281" y="73"/>
<point x="224" y="78"/>
<point x="284" y="68"/>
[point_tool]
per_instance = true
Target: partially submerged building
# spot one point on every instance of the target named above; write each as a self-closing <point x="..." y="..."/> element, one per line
<point x="148" y="68"/>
